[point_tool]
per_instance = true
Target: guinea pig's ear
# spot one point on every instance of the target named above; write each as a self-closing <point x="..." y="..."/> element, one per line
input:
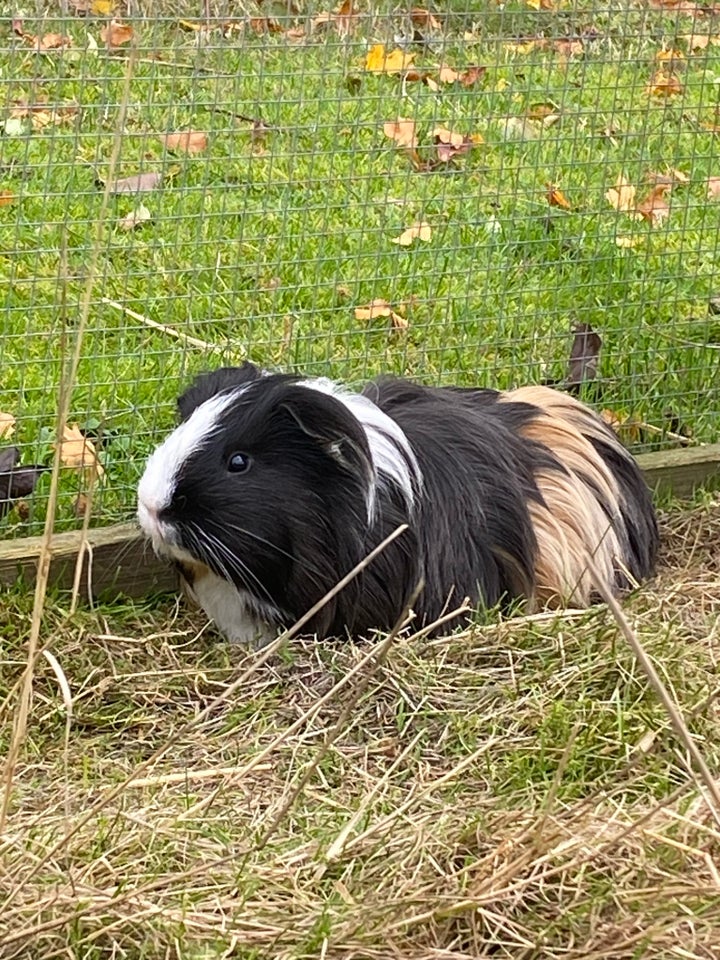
<point x="331" y="426"/>
<point x="207" y="385"/>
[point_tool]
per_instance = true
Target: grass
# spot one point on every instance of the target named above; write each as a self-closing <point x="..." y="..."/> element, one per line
<point x="510" y="791"/>
<point x="263" y="249"/>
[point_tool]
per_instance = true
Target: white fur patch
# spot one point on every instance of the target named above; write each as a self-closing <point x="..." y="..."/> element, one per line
<point x="157" y="484"/>
<point x="392" y="456"/>
<point x="232" y="611"/>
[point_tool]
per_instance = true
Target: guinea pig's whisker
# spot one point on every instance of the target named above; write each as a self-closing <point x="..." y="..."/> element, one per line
<point x="269" y="543"/>
<point x="243" y="572"/>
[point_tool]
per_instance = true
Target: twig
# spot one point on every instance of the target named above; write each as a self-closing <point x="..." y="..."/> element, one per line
<point x="162" y="327"/>
<point x="672" y="709"/>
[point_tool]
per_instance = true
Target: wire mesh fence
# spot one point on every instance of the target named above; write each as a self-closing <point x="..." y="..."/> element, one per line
<point x="494" y="194"/>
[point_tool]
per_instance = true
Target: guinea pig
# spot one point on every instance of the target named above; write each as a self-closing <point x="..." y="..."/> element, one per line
<point x="274" y="486"/>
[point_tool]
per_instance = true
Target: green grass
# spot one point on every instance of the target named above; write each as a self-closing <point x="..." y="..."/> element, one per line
<point x="513" y="790"/>
<point x="265" y="250"/>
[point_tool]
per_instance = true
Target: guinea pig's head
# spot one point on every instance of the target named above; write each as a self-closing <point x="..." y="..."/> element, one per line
<point x="264" y="471"/>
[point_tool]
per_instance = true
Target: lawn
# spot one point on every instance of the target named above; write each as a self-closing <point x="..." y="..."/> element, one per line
<point x="511" y="791"/>
<point x="265" y="242"/>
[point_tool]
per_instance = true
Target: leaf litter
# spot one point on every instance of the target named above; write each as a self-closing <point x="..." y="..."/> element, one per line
<point x="380" y="308"/>
<point x="421" y="230"/>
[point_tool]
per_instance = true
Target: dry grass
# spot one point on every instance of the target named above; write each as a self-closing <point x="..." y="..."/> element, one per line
<point x="512" y="791"/>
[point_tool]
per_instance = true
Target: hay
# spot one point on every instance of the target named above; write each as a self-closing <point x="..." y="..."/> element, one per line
<point x="511" y="791"/>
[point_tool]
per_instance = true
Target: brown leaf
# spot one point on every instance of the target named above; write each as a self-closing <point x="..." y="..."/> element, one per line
<point x="116" y="34"/>
<point x="622" y="195"/>
<point x="420" y="230"/>
<point x="7" y="425"/>
<point x="624" y="426"/>
<point x="52" y="41"/>
<point x="44" y="114"/>
<point x="140" y="183"/>
<point x="654" y="207"/>
<point x="423" y="18"/>
<point x="6" y="198"/>
<point x="186" y="141"/>
<point x="664" y="85"/>
<point x="80" y="507"/>
<point x="556" y="198"/>
<point x="78" y="453"/>
<point x="261" y="25"/>
<point x="402" y="131"/>
<point x="379" y="61"/>
<point x="471" y="76"/>
<point x="584" y="355"/>
<point x="713" y="188"/>
<point x="450" y="144"/>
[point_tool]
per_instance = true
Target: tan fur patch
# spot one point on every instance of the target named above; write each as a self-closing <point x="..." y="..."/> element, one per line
<point x="572" y="523"/>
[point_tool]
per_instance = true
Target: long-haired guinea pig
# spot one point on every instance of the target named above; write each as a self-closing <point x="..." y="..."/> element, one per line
<point x="274" y="486"/>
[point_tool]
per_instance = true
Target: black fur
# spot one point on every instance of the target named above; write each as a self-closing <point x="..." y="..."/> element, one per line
<point x="298" y="519"/>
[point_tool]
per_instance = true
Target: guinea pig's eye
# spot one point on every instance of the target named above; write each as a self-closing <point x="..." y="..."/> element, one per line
<point x="238" y="463"/>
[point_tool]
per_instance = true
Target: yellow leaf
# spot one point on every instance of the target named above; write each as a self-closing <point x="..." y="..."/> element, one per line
<point x="6" y="198"/>
<point x="7" y="425"/>
<point x="376" y="308"/>
<point x="622" y="195"/>
<point x="102" y="8"/>
<point x="418" y="231"/>
<point x="78" y="453"/>
<point x="664" y="85"/>
<point x="379" y="61"/>
<point x="627" y="243"/>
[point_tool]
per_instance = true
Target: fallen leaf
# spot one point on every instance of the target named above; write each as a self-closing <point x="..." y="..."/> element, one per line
<point x="376" y="308"/>
<point x="584" y="355"/>
<point x="262" y="25"/>
<point x="402" y="131"/>
<point x="15" y="481"/>
<point x="556" y="198"/>
<point x="568" y="48"/>
<point x="102" y="8"/>
<point x="520" y="128"/>
<point x="136" y="218"/>
<point x="379" y="61"/>
<point x="187" y="141"/>
<point x="80" y="507"/>
<point x="471" y="76"/>
<point x="42" y="114"/>
<point x="527" y="46"/>
<point x="380" y="308"/>
<point x="116" y="34"/>
<point x="418" y="231"/>
<point x="713" y="188"/>
<point x="423" y="18"/>
<point x="52" y="41"/>
<point x="78" y="453"/>
<point x="447" y="74"/>
<point x="6" y="198"/>
<point x="18" y="26"/>
<point x="540" y="4"/>
<point x="670" y="179"/>
<point x="627" y="243"/>
<point x="140" y="183"/>
<point x="450" y="144"/>
<point x="672" y="59"/>
<point x="622" y="195"/>
<point x="664" y="85"/>
<point x="7" y="425"/>
<point x="654" y="208"/>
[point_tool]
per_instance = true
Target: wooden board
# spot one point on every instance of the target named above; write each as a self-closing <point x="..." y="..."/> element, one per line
<point x="121" y="563"/>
